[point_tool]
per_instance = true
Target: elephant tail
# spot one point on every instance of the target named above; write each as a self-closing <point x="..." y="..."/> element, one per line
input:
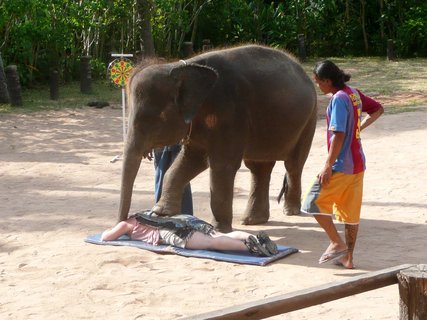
<point x="284" y="189"/>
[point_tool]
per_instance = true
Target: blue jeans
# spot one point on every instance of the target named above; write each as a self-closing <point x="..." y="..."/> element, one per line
<point x="162" y="161"/>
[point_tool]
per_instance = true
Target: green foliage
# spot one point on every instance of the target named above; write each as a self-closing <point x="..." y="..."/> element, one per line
<point x="240" y="21"/>
<point x="98" y="68"/>
<point x="35" y="36"/>
<point x="413" y="33"/>
<point x="41" y="35"/>
<point x="226" y="21"/>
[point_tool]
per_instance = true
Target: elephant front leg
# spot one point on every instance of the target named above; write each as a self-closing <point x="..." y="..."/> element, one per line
<point x="258" y="207"/>
<point x="222" y="185"/>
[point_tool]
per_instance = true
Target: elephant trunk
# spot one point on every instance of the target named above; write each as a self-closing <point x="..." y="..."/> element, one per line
<point x="131" y="164"/>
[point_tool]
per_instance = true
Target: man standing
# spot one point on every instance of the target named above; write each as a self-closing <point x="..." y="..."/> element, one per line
<point x="338" y="188"/>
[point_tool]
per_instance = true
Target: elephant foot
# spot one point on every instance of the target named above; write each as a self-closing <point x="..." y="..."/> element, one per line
<point x="252" y="220"/>
<point x="163" y="211"/>
<point x="222" y="227"/>
<point x="291" y="211"/>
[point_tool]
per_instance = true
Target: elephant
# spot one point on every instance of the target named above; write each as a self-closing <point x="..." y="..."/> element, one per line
<point x="251" y="102"/>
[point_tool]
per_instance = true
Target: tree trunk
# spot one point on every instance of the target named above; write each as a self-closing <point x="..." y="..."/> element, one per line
<point x="347" y="10"/>
<point x="363" y="23"/>
<point x="144" y="8"/>
<point x="195" y="21"/>
<point x="178" y="34"/>
<point x="381" y="19"/>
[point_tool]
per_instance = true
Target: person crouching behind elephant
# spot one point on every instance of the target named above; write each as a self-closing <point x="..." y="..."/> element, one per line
<point x="163" y="159"/>
<point x="186" y="231"/>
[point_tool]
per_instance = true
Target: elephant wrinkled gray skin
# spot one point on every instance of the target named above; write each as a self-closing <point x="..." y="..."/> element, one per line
<point x="251" y="102"/>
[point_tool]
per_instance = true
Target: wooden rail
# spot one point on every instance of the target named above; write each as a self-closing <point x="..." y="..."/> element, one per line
<point x="308" y="297"/>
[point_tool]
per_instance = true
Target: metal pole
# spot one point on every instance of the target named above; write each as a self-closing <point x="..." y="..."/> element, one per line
<point x="124" y="114"/>
<point x="122" y="55"/>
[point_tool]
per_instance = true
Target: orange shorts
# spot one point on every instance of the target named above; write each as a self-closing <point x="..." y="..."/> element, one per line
<point x="342" y="197"/>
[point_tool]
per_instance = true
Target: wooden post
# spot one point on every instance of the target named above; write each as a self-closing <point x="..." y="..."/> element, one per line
<point x="187" y="49"/>
<point x="301" y="47"/>
<point x="306" y="298"/>
<point x="13" y="85"/>
<point x="391" y="55"/>
<point x="4" y="94"/>
<point x="413" y="293"/>
<point x="54" y="85"/>
<point x="206" y="45"/>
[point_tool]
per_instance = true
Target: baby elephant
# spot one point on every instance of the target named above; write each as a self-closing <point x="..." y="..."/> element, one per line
<point x="251" y="102"/>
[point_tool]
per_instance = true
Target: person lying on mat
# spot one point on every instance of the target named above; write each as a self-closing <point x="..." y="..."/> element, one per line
<point x="186" y="231"/>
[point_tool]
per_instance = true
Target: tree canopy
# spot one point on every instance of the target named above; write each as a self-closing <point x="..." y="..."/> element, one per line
<point x="40" y="35"/>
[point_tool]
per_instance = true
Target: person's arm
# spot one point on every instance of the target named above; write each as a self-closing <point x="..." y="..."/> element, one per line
<point x="334" y="150"/>
<point x="371" y="118"/>
<point x="123" y="227"/>
<point x="373" y="108"/>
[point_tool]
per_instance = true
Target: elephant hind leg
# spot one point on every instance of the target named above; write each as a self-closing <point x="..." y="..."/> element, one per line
<point x="258" y="206"/>
<point x="294" y="165"/>
<point x="292" y="204"/>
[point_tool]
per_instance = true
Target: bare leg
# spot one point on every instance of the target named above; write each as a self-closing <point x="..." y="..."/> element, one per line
<point x="350" y="238"/>
<point x="238" y="235"/>
<point x="222" y="242"/>
<point x="336" y="243"/>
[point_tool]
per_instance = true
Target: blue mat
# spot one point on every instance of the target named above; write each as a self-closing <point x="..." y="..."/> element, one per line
<point x="236" y="257"/>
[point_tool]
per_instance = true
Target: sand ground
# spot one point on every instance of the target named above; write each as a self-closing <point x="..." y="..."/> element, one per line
<point x="58" y="186"/>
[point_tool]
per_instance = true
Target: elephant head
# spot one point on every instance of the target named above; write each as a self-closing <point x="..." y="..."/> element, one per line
<point x="163" y="100"/>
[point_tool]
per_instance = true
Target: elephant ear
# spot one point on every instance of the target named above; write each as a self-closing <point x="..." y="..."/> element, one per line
<point x="195" y="82"/>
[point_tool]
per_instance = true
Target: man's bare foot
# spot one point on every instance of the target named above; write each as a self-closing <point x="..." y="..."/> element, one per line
<point x="345" y="262"/>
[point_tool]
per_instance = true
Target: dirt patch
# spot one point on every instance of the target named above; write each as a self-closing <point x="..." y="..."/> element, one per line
<point x="403" y="99"/>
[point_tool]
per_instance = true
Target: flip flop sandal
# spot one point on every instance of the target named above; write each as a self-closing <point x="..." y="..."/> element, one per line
<point x="266" y="242"/>
<point x="331" y="256"/>
<point x="256" y="248"/>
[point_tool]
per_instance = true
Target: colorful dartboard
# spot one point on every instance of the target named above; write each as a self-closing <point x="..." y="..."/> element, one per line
<point x="119" y="70"/>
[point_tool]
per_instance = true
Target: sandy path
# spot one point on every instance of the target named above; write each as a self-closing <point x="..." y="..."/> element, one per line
<point x="58" y="186"/>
